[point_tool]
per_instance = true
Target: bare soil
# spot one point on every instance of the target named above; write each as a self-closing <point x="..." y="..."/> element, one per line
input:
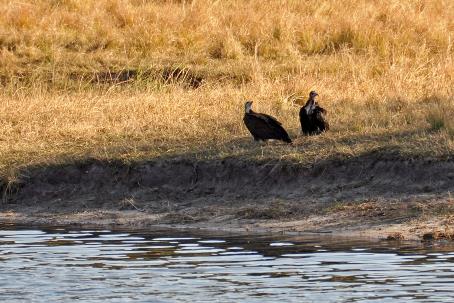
<point x="374" y="195"/>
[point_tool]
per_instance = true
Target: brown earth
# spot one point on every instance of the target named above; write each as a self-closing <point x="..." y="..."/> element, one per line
<point x="375" y="195"/>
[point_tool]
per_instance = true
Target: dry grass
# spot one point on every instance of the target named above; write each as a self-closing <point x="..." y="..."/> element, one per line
<point x="384" y="70"/>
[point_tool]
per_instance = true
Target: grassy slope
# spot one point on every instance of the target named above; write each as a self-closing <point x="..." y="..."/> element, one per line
<point x="383" y="69"/>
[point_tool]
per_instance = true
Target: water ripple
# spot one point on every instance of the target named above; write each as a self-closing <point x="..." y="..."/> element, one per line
<point x="55" y="265"/>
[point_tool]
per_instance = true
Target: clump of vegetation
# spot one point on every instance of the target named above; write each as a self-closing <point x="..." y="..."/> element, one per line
<point x="395" y="236"/>
<point x="440" y="117"/>
<point x="97" y="78"/>
<point x="274" y="210"/>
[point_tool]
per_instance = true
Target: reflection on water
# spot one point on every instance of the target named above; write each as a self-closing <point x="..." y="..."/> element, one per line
<point x="57" y="265"/>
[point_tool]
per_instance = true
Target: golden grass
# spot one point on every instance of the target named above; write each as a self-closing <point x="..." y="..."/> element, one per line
<point x="383" y="69"/>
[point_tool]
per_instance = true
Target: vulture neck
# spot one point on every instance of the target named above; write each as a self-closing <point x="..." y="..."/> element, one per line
<point x="249" y="110"/>
<point x="310" y="105"/>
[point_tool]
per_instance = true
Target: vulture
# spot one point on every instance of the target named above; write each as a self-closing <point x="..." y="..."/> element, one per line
<point x="312" y="117"/>
<point x="262" y="126"/>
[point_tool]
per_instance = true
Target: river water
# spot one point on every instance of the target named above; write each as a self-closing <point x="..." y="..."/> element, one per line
<point x="68" y="265"/>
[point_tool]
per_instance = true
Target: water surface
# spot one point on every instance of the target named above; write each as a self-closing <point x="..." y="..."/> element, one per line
<point x="67" y="265"/>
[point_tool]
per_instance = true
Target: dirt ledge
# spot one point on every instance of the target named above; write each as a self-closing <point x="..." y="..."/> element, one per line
<point x="374" y="195"/>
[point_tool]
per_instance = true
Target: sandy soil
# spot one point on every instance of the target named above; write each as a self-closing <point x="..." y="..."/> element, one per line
<point x="376" y="195"/>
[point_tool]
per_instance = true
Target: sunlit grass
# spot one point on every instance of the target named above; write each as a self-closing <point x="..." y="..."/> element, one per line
<point x="384" y="71"/>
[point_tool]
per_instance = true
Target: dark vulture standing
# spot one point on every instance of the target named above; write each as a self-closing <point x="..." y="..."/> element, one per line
<point x="263" y="127"/>
<point x="312" y="117"/>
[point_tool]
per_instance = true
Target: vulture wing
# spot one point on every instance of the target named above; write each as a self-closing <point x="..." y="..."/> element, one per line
<point x="319" y="119"/>
<point x="270" y="119"/>
<point x="307" y="125"/>
<point x="263" y="127"/>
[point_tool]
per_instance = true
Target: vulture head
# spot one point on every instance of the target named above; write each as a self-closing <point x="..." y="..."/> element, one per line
<point x="248" y="107"/>
<point x="312" y="95"/>
<point x="310" y="105"/>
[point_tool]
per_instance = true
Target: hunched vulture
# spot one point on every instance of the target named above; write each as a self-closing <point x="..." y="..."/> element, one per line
<point x="312" y="117"/>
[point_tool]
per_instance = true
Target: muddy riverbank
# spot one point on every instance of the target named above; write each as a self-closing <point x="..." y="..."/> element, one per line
<point x="374" y="195"/>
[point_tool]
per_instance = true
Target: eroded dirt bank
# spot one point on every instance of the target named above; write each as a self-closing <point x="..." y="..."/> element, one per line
<point x="373" y="195"/>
